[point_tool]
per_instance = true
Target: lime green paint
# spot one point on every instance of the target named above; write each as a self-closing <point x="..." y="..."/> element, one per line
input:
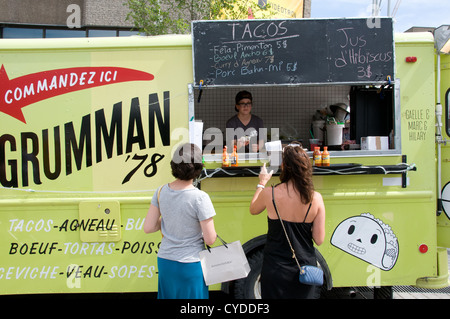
<point x="41" y="249"/>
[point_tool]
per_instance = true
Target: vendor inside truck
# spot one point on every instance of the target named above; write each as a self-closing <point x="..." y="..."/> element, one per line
<point x="249" y="140"/>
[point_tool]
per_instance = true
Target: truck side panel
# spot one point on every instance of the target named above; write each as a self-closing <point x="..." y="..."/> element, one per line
<point x="443" y="220"/>
<point x="79" y="165"/>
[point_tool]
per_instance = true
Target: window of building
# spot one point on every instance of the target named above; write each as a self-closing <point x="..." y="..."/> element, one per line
<point x="23" y="33"/>
<point x="102" y="33"/>
<point x="127" y="33"/>
<point x="35" y="31"/>
<point x="61" y="33"/>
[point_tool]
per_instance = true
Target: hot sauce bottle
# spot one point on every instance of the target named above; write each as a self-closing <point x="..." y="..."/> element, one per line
<point x="225" y="158"/>
<point x="325" y="157"/>
<point x="317" y="157"/>
<point x="234" y="157"/>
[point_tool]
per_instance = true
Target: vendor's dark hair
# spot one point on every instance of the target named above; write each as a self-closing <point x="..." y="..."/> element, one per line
<point x="186" y="162"/>
<point x="297" y="168"/>
<point x="242" y="95"/>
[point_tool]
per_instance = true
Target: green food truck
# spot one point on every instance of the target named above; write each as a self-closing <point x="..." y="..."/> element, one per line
<point x="88" y="127"/>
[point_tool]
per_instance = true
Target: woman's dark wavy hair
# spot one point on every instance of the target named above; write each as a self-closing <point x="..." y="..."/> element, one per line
<point x="298" y="169"/>
<point x="186" y="162"/>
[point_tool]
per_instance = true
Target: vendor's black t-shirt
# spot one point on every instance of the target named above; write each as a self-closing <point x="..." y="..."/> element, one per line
<point x="251" y="129"/>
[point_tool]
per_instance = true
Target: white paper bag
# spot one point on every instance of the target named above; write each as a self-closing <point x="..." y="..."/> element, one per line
<point x="224" y="263"/>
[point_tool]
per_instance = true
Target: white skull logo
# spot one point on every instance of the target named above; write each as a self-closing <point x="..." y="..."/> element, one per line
<point x="368" y="239"/>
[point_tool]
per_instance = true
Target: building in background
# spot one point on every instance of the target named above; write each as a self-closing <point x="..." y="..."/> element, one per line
<point x="94" y="18"/>
<point x="288" y="8"/>
<point x="421" y="29"/>
<point x="64" y="18"/>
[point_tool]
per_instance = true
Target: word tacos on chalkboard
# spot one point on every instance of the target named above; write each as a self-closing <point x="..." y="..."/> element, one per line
<point x="293" y="51"/>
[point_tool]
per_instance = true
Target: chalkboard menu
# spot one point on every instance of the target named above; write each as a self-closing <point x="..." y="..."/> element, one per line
<point x="293" y="51"/>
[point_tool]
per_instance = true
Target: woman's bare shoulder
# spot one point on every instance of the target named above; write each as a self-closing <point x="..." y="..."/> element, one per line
<point x="316" y="193"/>
<point x="317" y="197"/>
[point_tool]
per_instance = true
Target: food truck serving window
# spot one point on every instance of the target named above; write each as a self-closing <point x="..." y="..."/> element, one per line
<point x="318" y="81"/>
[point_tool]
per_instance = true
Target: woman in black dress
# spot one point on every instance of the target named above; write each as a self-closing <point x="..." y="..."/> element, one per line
<point x="303" y="213"/>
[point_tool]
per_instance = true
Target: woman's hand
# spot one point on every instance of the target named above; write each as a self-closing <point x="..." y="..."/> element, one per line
<point x="264" y="177"/>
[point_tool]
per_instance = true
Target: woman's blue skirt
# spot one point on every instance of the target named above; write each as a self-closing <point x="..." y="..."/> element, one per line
<point x="178" y="280"/>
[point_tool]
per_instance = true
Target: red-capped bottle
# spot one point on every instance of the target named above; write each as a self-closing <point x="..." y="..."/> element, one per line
<point x="234" y="157"/>
<point x="317" y="157"/>
<point x="325" y="157"/>
<point x="225" y="158"/>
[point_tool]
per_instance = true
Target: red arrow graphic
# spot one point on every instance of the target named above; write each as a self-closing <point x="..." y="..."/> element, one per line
<point x="28" y="89"/>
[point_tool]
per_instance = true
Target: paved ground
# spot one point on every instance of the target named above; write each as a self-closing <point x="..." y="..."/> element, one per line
<point x="401" y="292"/>
<point x="417" y="293"/>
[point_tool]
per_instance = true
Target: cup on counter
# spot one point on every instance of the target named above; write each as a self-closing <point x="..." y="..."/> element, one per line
<point x="313" y="142"/>
<point x="254" y="148"/>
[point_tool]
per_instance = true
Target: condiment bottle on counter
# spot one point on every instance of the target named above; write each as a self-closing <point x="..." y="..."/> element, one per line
<point x="317" y="157"/>
<point x="225" y="158"/>
<point x="325" y="157"/>
<point x="234" y="157"/>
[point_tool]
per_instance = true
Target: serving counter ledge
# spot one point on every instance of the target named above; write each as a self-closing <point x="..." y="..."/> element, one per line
<point x="333" y="169"/>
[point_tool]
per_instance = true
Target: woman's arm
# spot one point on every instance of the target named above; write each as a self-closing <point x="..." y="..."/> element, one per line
<point x="209" y="232"/>
<point x="152" y="222"/>
<point x="258" y="203"/>
<point x="318" y="228"/>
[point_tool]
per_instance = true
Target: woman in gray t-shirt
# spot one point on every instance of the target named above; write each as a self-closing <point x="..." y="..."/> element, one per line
<point x="184" y="214"/>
